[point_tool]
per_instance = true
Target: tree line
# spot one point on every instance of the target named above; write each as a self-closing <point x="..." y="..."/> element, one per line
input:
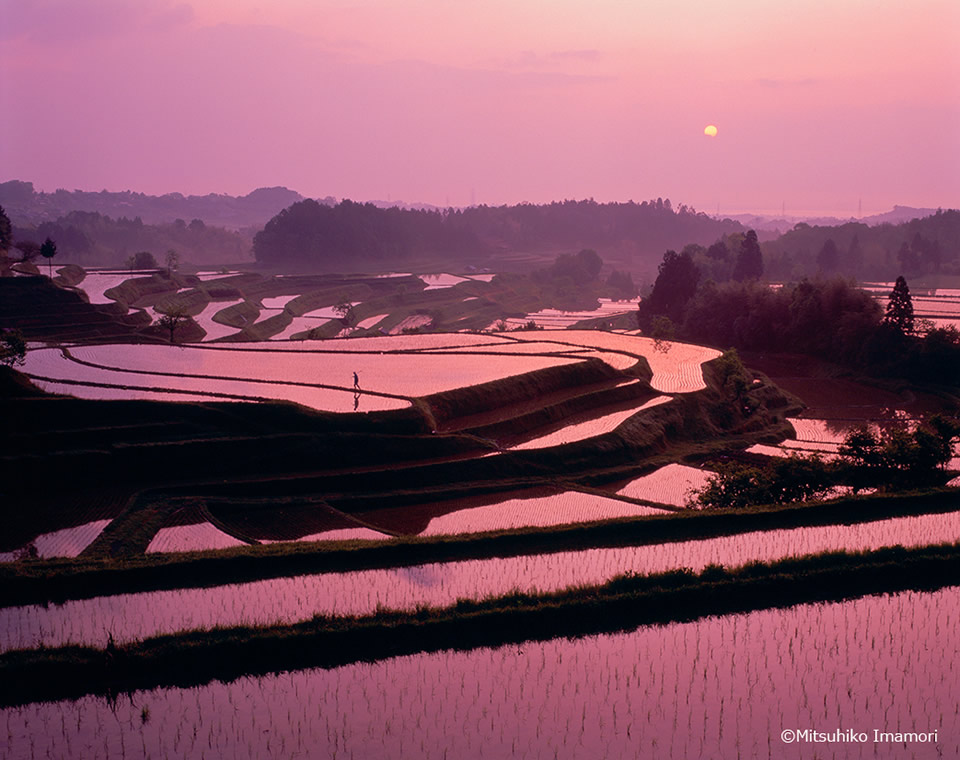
<point x="920" y="247"/>
<point x="92" y="239"/>
<point x="829" y="318"/>
<point x="313" y="233"/>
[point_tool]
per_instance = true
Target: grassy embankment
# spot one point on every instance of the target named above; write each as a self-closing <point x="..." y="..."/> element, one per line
<point x="56" y="580"/>
<point x="193" y="658"/>
<point x="173" y="453"/>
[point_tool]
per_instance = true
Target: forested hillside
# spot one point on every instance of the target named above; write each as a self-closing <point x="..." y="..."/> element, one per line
<point x="91" y="239"/>
<point x="25" y="206"/>
<point x="311" y="234"/>
<point x="930" y="245"/>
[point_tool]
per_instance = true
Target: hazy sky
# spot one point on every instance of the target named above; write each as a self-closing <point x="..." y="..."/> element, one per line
<point x="818" y="104"/>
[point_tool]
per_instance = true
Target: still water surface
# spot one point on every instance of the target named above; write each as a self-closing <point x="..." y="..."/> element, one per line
<point x="720" y="687"/>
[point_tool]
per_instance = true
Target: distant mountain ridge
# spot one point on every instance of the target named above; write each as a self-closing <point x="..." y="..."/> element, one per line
<point x="782" y="224"/>
<point x="25" y="206"/>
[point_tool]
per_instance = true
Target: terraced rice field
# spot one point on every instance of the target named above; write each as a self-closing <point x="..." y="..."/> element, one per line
<point x="440" y="281"/>
<point x="555" y="319"/>
<point x="398" y="374"/>
<point x="133" y="616"/>
<point x="941" y="306"/>
<point x="634" y="694"/>
<point x="48" y="367"/>
<point x="68" y="542"/>
<point x="403" y="366"/>
<point x="579" y="431"/>
<point x="716" y="687"/>
<point x="676" y="368"/>
<point x="672" y="484"/>
<point x="503" y="512"/>
<point x="96" y="283"/>
<point x="189" y="538"/>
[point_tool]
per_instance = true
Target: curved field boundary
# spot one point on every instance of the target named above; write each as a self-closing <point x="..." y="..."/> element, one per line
<point x="670" y="375"/>
<point x="160" y="373"/>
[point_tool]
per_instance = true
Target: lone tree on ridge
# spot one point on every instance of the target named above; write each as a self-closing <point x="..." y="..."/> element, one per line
<point x="171" y="321"/>
<point x="900" y="307"/>
<point x="48" y="250"/>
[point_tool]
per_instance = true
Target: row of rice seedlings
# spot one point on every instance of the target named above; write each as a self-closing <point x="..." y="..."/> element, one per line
<point x="670" y="484"/>
<point x="716" y="687"/>
<point x="134" y="616"/>
<point x="66" y="542"/>
<point x="191" y="538"/>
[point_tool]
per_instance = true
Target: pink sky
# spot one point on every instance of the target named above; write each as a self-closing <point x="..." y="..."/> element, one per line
<point x="819" y="104"/>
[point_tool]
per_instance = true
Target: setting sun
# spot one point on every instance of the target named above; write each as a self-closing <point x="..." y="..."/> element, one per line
<point x="710" y="130"/>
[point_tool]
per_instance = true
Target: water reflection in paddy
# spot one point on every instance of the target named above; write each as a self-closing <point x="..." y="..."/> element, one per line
<point x="134" y="616"/>
<point x="50" y="363"/>
<point x="401" y="374"/>
<point x="677" y="369"/>
<point x="578" y="431"/>
<point x="716" y="687"/>
<point x="67" y="542"/>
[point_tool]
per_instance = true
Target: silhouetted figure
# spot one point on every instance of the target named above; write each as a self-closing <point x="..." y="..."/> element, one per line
<point x="356" y="382"/>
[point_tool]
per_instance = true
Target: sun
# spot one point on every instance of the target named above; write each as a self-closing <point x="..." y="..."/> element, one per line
<point x="710" y="130"/>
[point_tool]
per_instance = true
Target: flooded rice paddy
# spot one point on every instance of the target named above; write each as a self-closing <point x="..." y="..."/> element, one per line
<point x="148" y="369"/>
<point x="404" y="366"/>
<point x="672" y="484"/>
<point x="398" y="374"/>
<point x="476" y="515"/>
<point x="676" y="367"/>
<point x="190" y="538"/>
<point x="715" y="687"/>
<point x="67" y="542"/>
<point x="134" y="616"/>
<point x="556" y="319"/>
<point x="579" y="431"/>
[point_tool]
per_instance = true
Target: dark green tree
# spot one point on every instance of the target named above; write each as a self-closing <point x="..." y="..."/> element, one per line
<point x="749" y="264"/>
<point x="854" y="260"/>
<point x="13" y="348"/>
<point x="828" y="260"/>
<point x="900" y="307"/>
<point x="142" y="260"/>
<point x="621" y="283"/>
<point x="48" y="250"/>
<point x="676" y="284"/>
<point x="718" y="251"/>
<point x="6" y="231"/>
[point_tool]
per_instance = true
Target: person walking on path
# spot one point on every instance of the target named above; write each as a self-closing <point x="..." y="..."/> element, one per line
<point x="356" y="382"/>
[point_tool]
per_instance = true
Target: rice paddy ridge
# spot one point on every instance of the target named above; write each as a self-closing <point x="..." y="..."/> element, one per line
<point x="194" y="658"/>
<point x="57" y="580"/>
<point x="161" y="373"/>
